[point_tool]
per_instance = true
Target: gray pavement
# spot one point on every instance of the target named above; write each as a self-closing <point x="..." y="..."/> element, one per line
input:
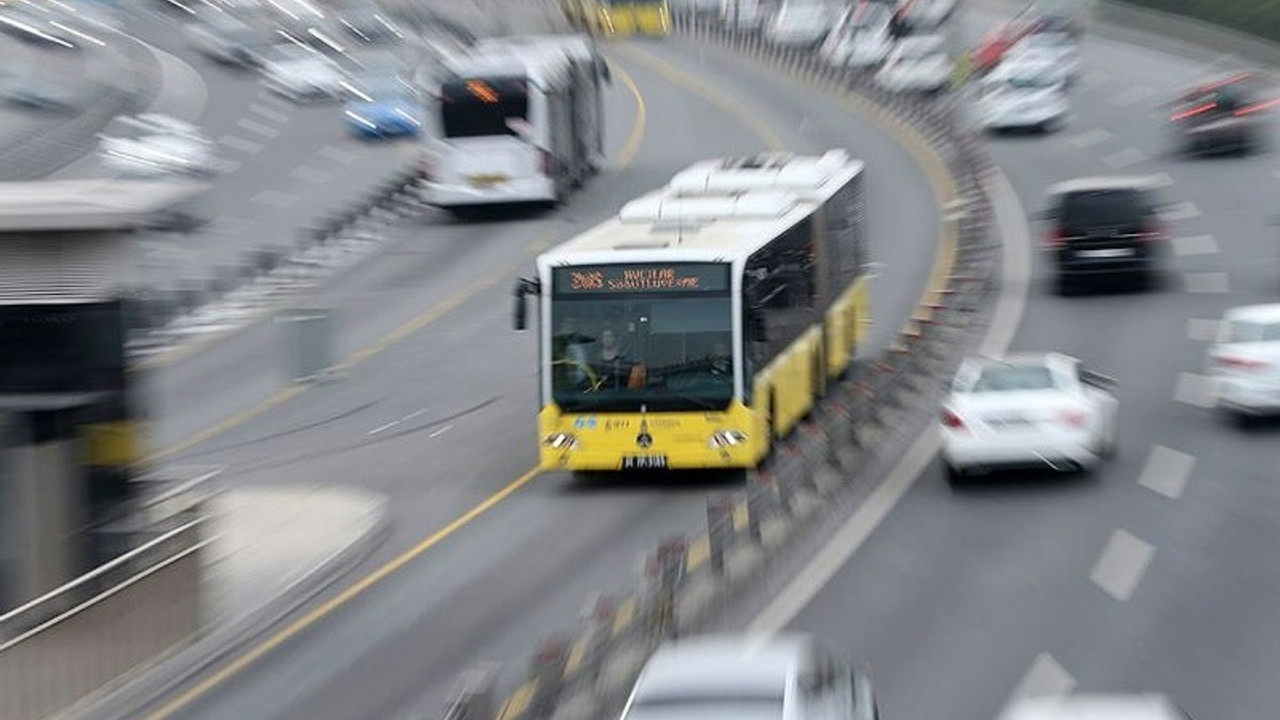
<point x="1150" y="575"/>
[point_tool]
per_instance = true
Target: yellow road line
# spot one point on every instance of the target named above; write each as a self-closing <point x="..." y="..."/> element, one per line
<point x="577" y="654"/>
<point x="678" y="77"/>
<point x="632" y="145"/>
<point x="518" y="703"/>
<point x="699" y="552"/>
<point x="740" y="517"/>
<point x="297" y="626"/>
<point x="626" y="614"/>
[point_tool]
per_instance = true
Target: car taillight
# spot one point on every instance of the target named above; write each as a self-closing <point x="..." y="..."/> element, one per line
<point x="1239" y="363"/>
<point x="1056" y="238"/>
<point x="1151" y="232"/>
<point x="547" y="162"/>
<point x="952" y="420"/>
<point x="1073" y="417"/>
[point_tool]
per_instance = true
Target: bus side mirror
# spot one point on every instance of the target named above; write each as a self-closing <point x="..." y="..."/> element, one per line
<point x="524" y="288"/>
<point x="605" y="72"/>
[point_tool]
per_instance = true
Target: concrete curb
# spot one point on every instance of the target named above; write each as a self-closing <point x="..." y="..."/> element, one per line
<point x="825" y="460"/>
<point x="130" y="696"/>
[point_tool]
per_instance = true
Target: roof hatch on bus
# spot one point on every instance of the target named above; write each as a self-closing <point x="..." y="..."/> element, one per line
<point x="803" y="173"/>
<point x="665" y="206"/>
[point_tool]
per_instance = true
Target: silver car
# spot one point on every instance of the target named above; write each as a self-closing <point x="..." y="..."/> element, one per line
<point x="1097" y="706"/>
<point x="787" y="677"/>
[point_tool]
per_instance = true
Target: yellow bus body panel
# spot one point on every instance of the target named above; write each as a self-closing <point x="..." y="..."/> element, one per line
<point x="602" y="440"/>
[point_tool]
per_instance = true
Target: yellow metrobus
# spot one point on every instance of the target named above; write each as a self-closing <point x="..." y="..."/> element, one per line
<point x="705" y="319"/>
<point x="620" y="18"/>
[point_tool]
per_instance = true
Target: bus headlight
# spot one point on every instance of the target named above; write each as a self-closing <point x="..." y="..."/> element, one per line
<point x="727" y="438"/>
<point x="560" y="441"/>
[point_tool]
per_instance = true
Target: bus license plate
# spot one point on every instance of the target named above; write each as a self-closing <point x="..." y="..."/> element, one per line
<point x="487" y="181"/>
<point x="644" y="462"/>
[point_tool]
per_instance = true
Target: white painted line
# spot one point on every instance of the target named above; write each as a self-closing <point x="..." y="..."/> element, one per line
<point x="311" y="175"/>
<point x="338" y="155"/>
<point x="1122" y="564"/>
<point x="413" y="415"/>
<point x="1162" y="180"/>
<point x="387" y="426"/>
<point x="440" y="432"/>
<point x="1090" y="138"/>
<point x="274" y="116"/>
<point x="236" y="142"/>
<point x="1181" y="211"/>
<point x="274" y="198"/>
<point x="1194" y="389"/>
<point x="1202" y="330"/>
<point x="254" y="126"/>
<point x="1124" y="158"/>
<point x="266" y="97"/>
<point x="1195" y="245"/>
<point x="1167" y="471"/>
<point x="1015" y="282"/>
<point x="1207" y="282"/>
<point x="1045" y="678"/>
<point x="1133" y="95"/>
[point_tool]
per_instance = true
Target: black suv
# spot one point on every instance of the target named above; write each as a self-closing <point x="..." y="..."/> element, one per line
<point x="1104" y="228"/>
<point x="1225" y="115"/>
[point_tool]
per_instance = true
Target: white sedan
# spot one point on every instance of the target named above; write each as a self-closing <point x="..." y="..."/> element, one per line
<point x="154" y="144"/>
<point x="1057" y="48"/>
<point x="918" y="63"/>
<point x="861" y="38"/>
<point x="1023" y="94"/>
<point x="1245" y="362"/>
<point x="302" y="73"/>
<point x="800" y="24"/>
<point x="1027" y="411"/>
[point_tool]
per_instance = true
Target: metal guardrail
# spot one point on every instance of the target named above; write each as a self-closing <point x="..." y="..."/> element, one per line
<point x="68" y="643"/>
<point x="587" y="673"/>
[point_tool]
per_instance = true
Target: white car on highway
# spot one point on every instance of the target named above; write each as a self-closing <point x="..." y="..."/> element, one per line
<point x="924" y="16"/>
<point x="302" y="73"/>
<point x="154" y="144"/>
<point x="1023" y="93"/>
<point x="1095" y="706"/>
<point x="800" y="24"/>
<point x="860" y="38"/>
<point x="1056" y="48"/>
<point x="786" y="677"/>
<point x="1028" y="411"/>
<point x="918" y="63"/>
<point x="1245" y="362"/>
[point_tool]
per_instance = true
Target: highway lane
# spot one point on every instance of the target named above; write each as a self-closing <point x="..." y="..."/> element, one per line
<point x="526" y="565"/>
<point x="1158" y="572"/>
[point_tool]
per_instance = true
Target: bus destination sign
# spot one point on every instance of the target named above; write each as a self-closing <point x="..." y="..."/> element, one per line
<point x="649" y="277"/>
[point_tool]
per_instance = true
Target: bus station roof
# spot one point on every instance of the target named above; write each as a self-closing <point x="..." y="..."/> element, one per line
<point x="88" y="205"/>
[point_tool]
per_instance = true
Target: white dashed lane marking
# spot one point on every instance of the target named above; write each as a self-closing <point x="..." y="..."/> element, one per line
<point x="338" y="155"/>
<point x="274" y="116"/>
<point x="1185" y="210"/>
<point x="1207" y="282"/>
<point x="235" y="142"/>
<point x="1194" y="389"/>
<point x="1195" y="245"/>
<point x="270" y="99"/>
<point x="1133" y="95"/>
<point x="1167" y="471"/>
<point x="1124" y="158"/>
<point x="274" y="198"/>
<point x="311" y="175"/>
<point x="1122" y="564"/>
<point x="1090" y="138"/>
<point x="1203" y="330"/>
<point x="254" y="126"/>
<point x="1045" y="678"/>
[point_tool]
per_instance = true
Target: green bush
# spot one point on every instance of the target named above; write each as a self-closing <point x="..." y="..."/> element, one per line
<point x="1257" y="17"/>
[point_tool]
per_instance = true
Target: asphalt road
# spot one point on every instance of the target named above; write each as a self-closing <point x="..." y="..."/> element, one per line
<point x="1158" y="573"/>
<point x="444" y="418"/>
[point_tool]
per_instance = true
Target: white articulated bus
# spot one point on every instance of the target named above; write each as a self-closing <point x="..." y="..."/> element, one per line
<point x="519" y="121"/>
<point x="705" y="319"/>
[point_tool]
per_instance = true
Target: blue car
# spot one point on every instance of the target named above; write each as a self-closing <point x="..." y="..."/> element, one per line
<point x="386" y="109"/>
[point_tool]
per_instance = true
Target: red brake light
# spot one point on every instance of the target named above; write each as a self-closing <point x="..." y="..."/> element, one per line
<point x="548" y="163"/>
<point x="951" y="420"/>
<point x="1240" y="363"/>
<point x="1257" y="107"/>
<point x="1192" y="112"/>
<point x="1073" y="417"/>
<point x="1056" y="239"/>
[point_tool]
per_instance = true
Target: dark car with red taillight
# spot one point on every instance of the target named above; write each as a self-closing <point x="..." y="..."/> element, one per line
<point x="1228" y="114"/>
<point x="1105" y="228"/>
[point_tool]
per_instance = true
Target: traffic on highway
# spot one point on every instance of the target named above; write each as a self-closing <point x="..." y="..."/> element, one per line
<point x="934" y="345"/>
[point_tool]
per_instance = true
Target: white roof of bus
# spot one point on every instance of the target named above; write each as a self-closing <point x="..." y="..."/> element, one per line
<point x="577" y="43"/>
<point x="718" y="210"/>
<point x="537" y="66"/>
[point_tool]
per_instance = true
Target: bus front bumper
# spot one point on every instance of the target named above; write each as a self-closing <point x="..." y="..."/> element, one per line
<point x="515" y="190"/>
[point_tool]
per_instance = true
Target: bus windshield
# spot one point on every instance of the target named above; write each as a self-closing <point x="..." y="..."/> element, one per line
<point x="483" y="107"/>
<point x="624" y="337"/>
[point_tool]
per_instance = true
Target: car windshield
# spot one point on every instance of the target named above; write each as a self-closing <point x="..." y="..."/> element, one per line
<point x="1102" y="208"/>
<point x="1013" y="378"/>
<point x="652" y="336"/>
<point x="1243" y="331"/>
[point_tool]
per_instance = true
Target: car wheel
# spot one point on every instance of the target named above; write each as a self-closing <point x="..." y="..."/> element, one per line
<point x="956" y="476"/>
<point x="1067" y="286"/>
<point x="1243" y="420"/>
